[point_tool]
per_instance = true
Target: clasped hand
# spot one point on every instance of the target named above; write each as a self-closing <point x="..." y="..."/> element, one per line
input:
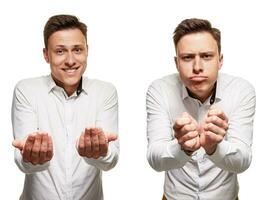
<point x="191" y="135"/>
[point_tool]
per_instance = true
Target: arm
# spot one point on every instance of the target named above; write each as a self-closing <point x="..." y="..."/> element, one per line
<point x="24" y="122"/>
<point x="107" y="120"/>
<point x="164" y="152"/>
<point x="234" y="152"/>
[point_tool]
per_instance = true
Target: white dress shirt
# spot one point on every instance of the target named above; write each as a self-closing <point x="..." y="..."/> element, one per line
<point x="40" y="105"/>
<point x="200" y="176"/>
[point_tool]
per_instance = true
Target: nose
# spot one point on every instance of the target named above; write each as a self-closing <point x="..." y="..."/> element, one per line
<point x="197" y="65"/>
<point x="70" y="60"/>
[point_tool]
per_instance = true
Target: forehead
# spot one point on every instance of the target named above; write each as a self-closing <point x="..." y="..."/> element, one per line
<point x="67" y="37"/>
<point x="197" y="42"/>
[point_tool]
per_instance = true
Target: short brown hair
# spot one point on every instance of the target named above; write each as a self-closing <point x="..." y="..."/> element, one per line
<point x="195" y="25"/>
<point x="61" y="22"/>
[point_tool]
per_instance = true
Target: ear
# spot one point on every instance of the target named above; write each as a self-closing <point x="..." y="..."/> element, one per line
<point x="220" y="61"/>
<point x="87" y="50"/>
<point x="176" y="62"/>
<point x="46" y="55"/>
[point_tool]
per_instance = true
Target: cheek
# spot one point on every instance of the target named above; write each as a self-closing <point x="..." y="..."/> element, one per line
<point x="56" y="64"/>
<point x="211" y="67"/>
<point x="184" y="74"/>
<point x="185" y="70"/>
<point x="82" y="59"/>
<point x="57" y="61"/>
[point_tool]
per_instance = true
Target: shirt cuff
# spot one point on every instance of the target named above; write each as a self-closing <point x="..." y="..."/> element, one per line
<point x="222" y="149"/>
<point x="27" y="167"/>
<point x="174" y="151"/>
<point x="104" y="163"/>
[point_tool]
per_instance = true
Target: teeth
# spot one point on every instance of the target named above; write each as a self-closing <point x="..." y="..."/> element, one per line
<point x="70" y="70"/>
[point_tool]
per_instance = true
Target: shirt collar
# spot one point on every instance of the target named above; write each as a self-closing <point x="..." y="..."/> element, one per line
<point x="221" y="84"/>
<point x="215" y="97"/>
<point x="52" y="85"/>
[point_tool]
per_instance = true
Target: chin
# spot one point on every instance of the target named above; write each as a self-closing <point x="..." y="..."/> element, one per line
<point x="71" y="81"/>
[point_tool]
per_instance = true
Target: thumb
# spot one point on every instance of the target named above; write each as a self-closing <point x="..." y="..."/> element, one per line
<point x="200" y="128"/>
<point x="214" y="107"/>
<point x="185" y="115"/>
<point x="111" y="137"/>
<point x="18" y="144"/>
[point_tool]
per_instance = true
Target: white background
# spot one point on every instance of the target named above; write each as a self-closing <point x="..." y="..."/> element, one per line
<point x="130" y="45"/>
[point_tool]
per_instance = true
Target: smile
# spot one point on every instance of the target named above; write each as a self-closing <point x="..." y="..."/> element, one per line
<point x="70" y="70"/>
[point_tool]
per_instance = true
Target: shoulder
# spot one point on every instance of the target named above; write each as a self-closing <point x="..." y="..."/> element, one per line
<point x="169" y="82"/>
<point x="97" y="86"/>
<point x="32" y="84"/>
<point x="235" y="83"/>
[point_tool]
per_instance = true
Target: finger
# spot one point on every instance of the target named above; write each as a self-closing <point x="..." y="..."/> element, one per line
<point x="190" y="135"/>
<point x="49" y="154"/>
<point x="190" y="145"/>
<point x="36" y="149"/>
<point x="218" y="112"/>
<point x="43" y="148"/>
<point x="200" y="128"/>
<point x="212" y="138"/>
<point x="202" y="139"/>
<point x="185" y="115"/>
<point x="217" y="121"/>
<point x="215" y="129"/>
<point x="81" y="145"/>
<point x="180" y="122"/>
<point x="103" y="142"/>
<point x="111" y="137"/>
<point x="95" y="143"/>
<point x="19" y="144"/>
<point x="26" y="152"/>
<point x="88" y="143"/>
<point x="188" y="127"/>
<point x="185" y="130"/>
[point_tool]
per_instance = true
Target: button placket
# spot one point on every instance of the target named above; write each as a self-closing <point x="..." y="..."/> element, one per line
<point x="68" y="150"/>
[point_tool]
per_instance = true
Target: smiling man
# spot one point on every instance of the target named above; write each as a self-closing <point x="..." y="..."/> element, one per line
<point x="65" y="125"/>
<point x="200" y="121"/>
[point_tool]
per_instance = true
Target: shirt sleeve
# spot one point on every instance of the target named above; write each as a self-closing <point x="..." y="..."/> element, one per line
<point x="164" y="152"/>
<point x="24" y="121"/>
<point x="234" y="152"/>
<point x="108" y="120"/>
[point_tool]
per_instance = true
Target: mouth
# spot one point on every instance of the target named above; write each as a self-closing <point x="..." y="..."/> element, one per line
<point x="198" y="78"/>
<point x="71" y="70"/>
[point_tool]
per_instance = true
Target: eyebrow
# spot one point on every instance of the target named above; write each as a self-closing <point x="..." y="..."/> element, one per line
<point x="200" y="53"/>
<point x="63" y="46"/>
<point x="210" y="52"/>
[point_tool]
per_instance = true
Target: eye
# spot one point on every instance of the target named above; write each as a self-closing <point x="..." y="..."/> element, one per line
<point x="187" y="58"/>
<point x="59" y="51"/>
<point x="78" y="50"/>
<point x="207" y="56"/>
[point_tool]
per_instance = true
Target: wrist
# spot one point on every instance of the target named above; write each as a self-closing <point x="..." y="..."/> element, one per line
<point x="188" y="153"/>
<point x="210" y="150"/>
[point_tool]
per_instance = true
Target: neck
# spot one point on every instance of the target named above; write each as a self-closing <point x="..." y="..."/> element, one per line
<point x="204" y="97"/>
<point x="68" y="89"/>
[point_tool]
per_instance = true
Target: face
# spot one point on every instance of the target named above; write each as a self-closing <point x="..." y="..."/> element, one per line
<point x="67" y="55"/>
<point x="198" y="62"/>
